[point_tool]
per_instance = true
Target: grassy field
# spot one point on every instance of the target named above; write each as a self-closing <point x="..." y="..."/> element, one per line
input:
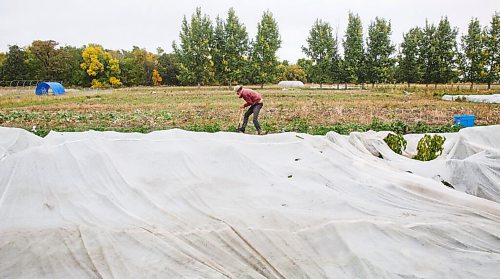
<point x="217" y="109"/>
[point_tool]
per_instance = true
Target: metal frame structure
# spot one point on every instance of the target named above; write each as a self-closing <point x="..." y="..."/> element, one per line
<point x="21" y="83"/>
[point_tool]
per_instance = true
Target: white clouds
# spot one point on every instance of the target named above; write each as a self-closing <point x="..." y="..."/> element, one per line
<point x="155" y="23"/>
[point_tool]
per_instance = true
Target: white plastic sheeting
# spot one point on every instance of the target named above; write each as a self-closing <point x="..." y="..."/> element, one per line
<point x="183" y="204"/>
<point x="291" y="83"/>
<point x="494" y="98"/>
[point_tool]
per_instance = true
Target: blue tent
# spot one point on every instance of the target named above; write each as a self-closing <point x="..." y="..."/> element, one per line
<point x="43" y="88"/>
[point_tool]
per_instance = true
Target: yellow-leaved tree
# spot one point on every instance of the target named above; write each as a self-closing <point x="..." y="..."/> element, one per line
<point x="100" y="66"/>
<point x="156" y="78"/>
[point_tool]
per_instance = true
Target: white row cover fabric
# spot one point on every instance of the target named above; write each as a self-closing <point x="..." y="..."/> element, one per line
<point x="494" y="98"/>
<point x="291" y="83"/>
<point x="175" y="204"/>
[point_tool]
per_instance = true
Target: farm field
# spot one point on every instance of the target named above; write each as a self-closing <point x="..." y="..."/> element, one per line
<point x="211" y="109"/>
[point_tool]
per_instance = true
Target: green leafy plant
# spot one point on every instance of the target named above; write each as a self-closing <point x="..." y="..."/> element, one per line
<point x="396" y="142"/>
<point x="429" y="148"/>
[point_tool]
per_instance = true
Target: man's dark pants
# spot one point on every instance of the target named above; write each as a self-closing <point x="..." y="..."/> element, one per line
<point x="255" y="109"/>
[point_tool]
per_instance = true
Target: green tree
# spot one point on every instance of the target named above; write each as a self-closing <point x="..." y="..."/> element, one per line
<point x="194" y="52"/>
<point x="48" y="62"/>
<point x="492" y="50"/>
<point x="320" y="48"/>
<point x="344" y="76"/>
<point x="168" y="68"/>
<point x="293" y="72"/>
<point x="336" y="70"/>
<point x="218" y="52"/>
<point x="446" y="51"/>
<point x="72" y="73"/>
<point x="306" y="65"/>
<point x="379" y="52"/>
<point x="15" y="66"/>
<point x="236" y="48"/>
<point x="263" y="54"/>
<point x="353" y="50"/>
<point x="428" y="54"/>
<point x="137" y="66"/>
<point x="3" y="56"/>
<point x="41" y="56"/>
<point x="230" y="49"/>
<point x="410" y="67"/>
<point x="473" y="62"/>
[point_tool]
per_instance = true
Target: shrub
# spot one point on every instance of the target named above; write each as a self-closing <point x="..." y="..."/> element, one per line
<point x="396" y="142"/>
<point x="429" y="148"/>
<point x="115" y="82"/>
<point x="96" y="84"/>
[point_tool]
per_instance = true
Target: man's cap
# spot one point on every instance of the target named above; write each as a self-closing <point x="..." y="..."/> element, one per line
<point x="238" y="87"/>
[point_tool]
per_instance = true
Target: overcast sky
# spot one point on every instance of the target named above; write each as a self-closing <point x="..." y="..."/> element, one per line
<point x="121" y="24"/>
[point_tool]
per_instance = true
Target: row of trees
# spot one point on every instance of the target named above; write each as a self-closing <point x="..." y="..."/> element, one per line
<point x="87" y="66"/>
<point x="431" y="55"/>
<point x="222" y="53"/>
<point x="426" y="55"/>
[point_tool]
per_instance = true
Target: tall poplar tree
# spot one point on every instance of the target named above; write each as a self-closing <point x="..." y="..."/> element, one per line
<point x="410" y="67"/>
<point x="263" y="54"/>
<point x="353" y="50"/>
<point x="194" y="52"/>
<point x="473" y="61"/>
<point x="379" y="51"/>
<point x="320" y="49"/>
<point x="428" y="54"/>
<point x="236" y="48"/>
<point x="446" y="51"/>
<point x="336" y="70"/>
<point x="492" y="50"/>
<point x="218" y="51"/>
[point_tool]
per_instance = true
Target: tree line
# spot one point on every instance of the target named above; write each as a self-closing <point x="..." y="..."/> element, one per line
<point x="427" y="55"/>
<point x="220" y="52"/>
